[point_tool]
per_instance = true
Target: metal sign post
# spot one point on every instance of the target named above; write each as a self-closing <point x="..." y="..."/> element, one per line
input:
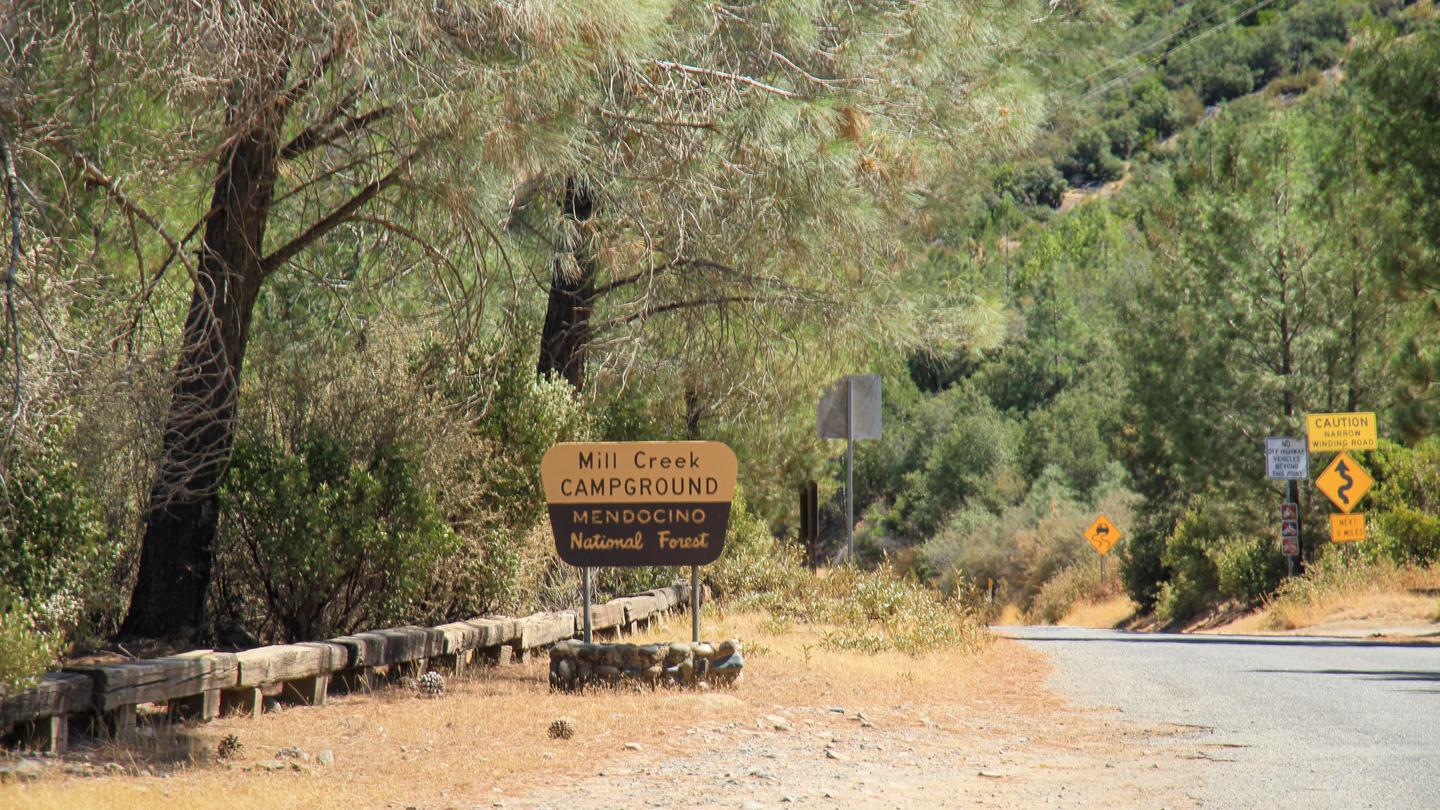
<point x="695" y="603"/>
<point x="1290" y="528"/>
<point x="585" y="596"/>
<point x="850" y="470"/>
<point x="1288" y="459"/>
<point x="856" y="417"/>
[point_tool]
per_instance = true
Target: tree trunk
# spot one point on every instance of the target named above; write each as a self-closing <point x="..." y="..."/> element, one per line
<point x="177" y="550"/>
<point x="565" y="337"/>
<point x="694" y="409"/>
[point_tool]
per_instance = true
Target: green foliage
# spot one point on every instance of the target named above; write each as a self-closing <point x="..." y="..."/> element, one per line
<point x="1034" y="183"/>
<point x="1189" y="559"/>
<point x="876" y="610"/>
<point x="26" y="651"/>
<point x="1025" y="545"/>
<point x="56" y="559"/>
<point x="321" y="543"/>
<point x="1248" y="568"/>
<point x="1142" y="570"/>
<point x="1061" y="592"/>
<point x="1405" y="504"/>
<point x="958" y="444"/>
<point x="1091" y="160"/>
<point x="488" y="484"/>
<point x="1398" y="100"/>
<point x="755" y="561"/>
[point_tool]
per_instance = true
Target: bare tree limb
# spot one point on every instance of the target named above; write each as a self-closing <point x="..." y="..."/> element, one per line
<point x="12" y="269"/>
<point x="660" y="309"/>
<point x="289" y="250"/>
<point x="96" y="175"/>
<point x="658" y="122"/>
<point x="720" y="74"/>
<point x="318" y="135"/>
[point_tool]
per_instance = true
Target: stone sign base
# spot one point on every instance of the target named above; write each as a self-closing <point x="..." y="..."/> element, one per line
<point x="575" y="665"/>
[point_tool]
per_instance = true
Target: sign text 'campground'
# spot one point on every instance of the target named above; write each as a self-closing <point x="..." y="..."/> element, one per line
<point x="639" y="503"/>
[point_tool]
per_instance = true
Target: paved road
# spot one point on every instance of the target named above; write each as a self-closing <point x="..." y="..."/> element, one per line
<point x="1315" y="722"/>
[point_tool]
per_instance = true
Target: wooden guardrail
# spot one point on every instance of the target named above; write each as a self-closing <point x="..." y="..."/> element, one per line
<point x="204" y="684"/>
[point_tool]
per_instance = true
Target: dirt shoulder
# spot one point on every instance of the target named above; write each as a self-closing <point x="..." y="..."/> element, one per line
<point x="1393" y="616"/>
<point x="991" y="737"/>
<point x="806" y="724"/>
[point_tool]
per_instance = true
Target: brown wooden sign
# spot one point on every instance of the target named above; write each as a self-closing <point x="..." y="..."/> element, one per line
<point x="639" y="503"/>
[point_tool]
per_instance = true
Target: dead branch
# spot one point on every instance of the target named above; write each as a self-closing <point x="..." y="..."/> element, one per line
<point x="12" y="269"/>
<point x="326" y="224"/>
<point x="720" y="74"/>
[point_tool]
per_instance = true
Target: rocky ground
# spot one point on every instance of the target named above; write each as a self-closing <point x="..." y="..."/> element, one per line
<point x="997" y="740"/>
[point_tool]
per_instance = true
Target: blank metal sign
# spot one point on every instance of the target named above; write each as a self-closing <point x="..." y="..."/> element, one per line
<point x="831" y="412"/>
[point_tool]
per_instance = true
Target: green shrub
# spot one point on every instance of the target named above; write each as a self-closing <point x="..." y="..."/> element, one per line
<point x="57" y="561"/>
<point x="1141" y="568"/>
<point x="1061" y="592"/>
<point x="878" y="609"/>
<point x="1091" y="160"/>
<point x="1181" y="597"/>
<point x="1248" y="568"/>
<point x="1406" y="501"/>
<point x="316" y="543"/>
<point x="1190" y="545"/>
<point x="488" y="482"/>
<point x="1037" y="183"/>
<point x="26" y="651"/>
<point x="755" y="562"/>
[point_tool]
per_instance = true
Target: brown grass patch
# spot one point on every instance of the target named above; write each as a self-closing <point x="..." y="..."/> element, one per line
<point x="1108" y="613"/>
<point x="1356" y="592"/>
<point x="487" y="739"/>
<point x="1010" y="614"/>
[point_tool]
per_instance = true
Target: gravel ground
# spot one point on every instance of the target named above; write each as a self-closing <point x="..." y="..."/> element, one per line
<point x="1293" y="722"/>
<point x="1008" y="743"/>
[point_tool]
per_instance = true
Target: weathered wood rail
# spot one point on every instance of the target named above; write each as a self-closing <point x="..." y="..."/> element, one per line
<point x="102" y="699"/>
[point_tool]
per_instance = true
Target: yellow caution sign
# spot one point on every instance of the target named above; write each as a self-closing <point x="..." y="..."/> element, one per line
<point x="1347" y="528"/>
<point x="1103" y="535"/>
<point x="1330" y="432"/>
<point x="1344" y="482"/>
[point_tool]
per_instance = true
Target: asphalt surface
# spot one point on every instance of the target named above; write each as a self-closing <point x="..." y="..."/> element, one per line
<point x="1293" y="722"/>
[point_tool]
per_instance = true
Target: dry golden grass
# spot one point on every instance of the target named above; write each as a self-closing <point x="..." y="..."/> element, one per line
<point x="1111" y="612"/>
<point x="1357" y="594"/>
<point x="1010" y="614"/>
<point x="487" y="739"/>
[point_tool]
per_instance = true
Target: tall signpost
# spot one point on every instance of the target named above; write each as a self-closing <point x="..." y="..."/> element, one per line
<point x="850" y="410"/>
<point x="639" y="504"/>
<point x="1287" y="459"/>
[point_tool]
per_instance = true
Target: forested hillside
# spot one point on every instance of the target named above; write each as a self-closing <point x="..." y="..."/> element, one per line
<point x="297" y="294"/>
<point x="1223" y="225"/>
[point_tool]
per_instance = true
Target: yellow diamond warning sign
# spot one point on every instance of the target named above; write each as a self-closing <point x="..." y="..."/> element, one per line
<point x="1347" y="528"/>
<point x="1329" y="432"/>
<point x="1103" y="535"/>
<point x="1344" y="482"/>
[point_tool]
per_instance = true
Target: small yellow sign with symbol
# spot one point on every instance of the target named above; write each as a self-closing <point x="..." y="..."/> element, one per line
<point x="1347" y="528"/>
<point x="1103" y="535"/>
<point x="1344" y="482"/>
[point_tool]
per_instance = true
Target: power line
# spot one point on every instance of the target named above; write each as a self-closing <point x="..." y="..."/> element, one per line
<point x="1137" y="52"/>
<point x="1187" y="43"/>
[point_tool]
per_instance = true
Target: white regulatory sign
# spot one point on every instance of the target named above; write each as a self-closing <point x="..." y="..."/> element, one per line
<point x="1286" y="459"/>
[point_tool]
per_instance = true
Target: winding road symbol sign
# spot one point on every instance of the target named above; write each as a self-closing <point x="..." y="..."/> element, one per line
<point x="1344" y="482"/>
